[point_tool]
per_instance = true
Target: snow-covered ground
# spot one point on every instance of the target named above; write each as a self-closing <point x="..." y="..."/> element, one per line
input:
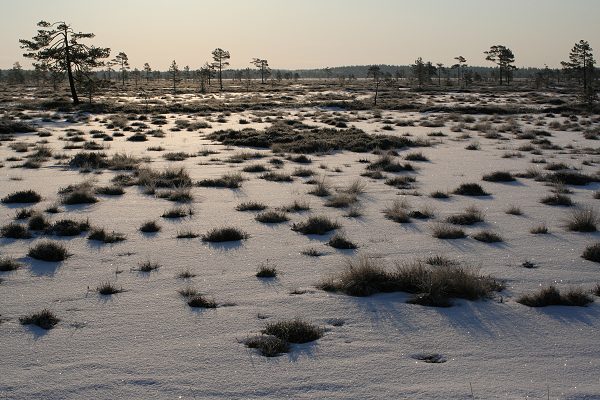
<point x="147" y="343"/>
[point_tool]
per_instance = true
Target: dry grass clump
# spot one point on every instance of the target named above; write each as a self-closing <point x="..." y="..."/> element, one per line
<point x="401" y="182"/>
<point x="82" y="193"/>
<point x="14" y="231"/>
<point x="68" y="227"/>
<point x="113" y="190"/>
<point x="9" y="264"/>
<point x="168" y="178"/>
<point x="38" y="222"/>
<point x="551" y="296"/>
<point x="148" y="266"/>
<point x="487" y="237"/>
<point x="431" y="286"/>
<point x="303" y="172"/>
<point x="438" y="194"/>
<point x="388" y="163"/>
<point x="592" y="253"/>
<point x="150" y="227"/>
<point x="108" y="289"/>
<point x="445" y="231"/>
<point x="179" y="195"/>
<point x="499" y="176"/>
<point x="277" y="177"/>
<point x="272" y="217"/>
<point x="251" y="206"/>
<point x="316" y="225"/>
<point x="557" y="199"/>
<point x="471" y="189"/>
<point x="356" y="187"/>
<point x="266" y="270"/>
<point x="44" y="319"/>
<point x="398" y="211"/>
<point x="294" y="331"/>
<point x="200" y="301"/>
<point x="341" y="200"/>
<point x="23" y="196"/>
<point x="187" y="234"/>
<point x="296" y="206"/>
<point x="99" y="234"/>
<point x="178" y="212"/>
<point x="231" y="180"/>
<point x="582" y="220"/>
<point x="513" y="210"/>
<point x="268" y="346"/>
<point x="416" y="156"/>
<point x="322" y="188"/>
<point x="49" y="251"/>
<point x="541" y="229"/>
<point x="254" y="168"/>
<point x="224" y="234"/>
<point x="470" y="216"/>
<point x="339" y="241"/>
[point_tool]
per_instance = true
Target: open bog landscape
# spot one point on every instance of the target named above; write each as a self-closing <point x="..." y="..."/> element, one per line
<point x="369" y="232"/>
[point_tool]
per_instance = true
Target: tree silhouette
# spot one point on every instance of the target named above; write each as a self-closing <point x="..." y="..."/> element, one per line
<point x="581" y="62"/>
<point x="419" y="71"/>
<point x="174" y="72"/>
<point x="374" y="71"/>
<point x="461" y="62"/>
<point x="220" y="62"/>
<point x="503" y="57"/>
<point x="122" y="61"/>
<point x="440" y="68"/>
<point x="263" y="66"/>
<point x="58" y="45"/>
<point x="148" y="71"/>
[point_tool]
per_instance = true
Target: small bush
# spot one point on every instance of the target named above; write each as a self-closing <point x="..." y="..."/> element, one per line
<point x="311" y="252"/>
<point x="499" y="176"/>
<point x="251" y="206"/>
<point x="168" y="178"/>
<point x="341" y="200"/>
<point x="254" y="168"/>
<point x="24" y="213"/>
<point x="272" y="217"/>
<point x="267" y="345"/>
<point x="49" y="251"/>
<point x="401" y="182"/>
<point x="551" y="296"/>
<point x="398" y="211"/>
<point x="513" y="210"/>
<point x="592" y="253"/>
<point x="294" y="331"/>
<point x="266" y="270"/>
<point x="470" y="189"/>
<point x="110" y="190"/>
<point x="199" y="301"/>
<point x="487" y="237"/>
<point x="339" y="241"/>
<point x="107" y="289"/>
<point x="557" y="199"/>
<point x="225" y="234"/>
<point x="186" y="274"/>
<point x="439" y="195"/>
<point x="231" y="180"/>
<point x="470" y="216"/>
<point x="541" y="229"/>
<point x="583" y="220"/>
<point x="24" y="196"/>
<point x="79" y="196"/>
<point x="68" y="227"/>
<point x="443" y="231"/>
<point x="187" y="234"/>
<point x="276" y="177"/>
<point x="297" y="206"/>
<point x="44" y="319"/>
<point x="101" y="235"/>
<point x="316" y="225"/>
<point x="321" y="189"/>
<point x="14" y="231"/>
<point x="433" y="286"/>
<point x="416" y="156"/>
<point x="9" y="264"/>
<point x="177" y="212"/>
<point x="148" y="266"/>
<point x="150" y="227"/>
<point x="38" y="222"/>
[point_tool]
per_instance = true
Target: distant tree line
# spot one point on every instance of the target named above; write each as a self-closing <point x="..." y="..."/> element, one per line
<point x="58" y="54"/>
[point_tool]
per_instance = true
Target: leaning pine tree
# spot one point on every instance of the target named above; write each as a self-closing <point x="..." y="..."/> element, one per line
<point x="57" y="45"/>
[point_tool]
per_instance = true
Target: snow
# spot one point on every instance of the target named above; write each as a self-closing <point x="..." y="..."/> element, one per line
<point x="147" y="343"/>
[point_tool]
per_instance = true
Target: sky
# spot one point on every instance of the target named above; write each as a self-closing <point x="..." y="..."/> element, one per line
<point x="312" y="33"/>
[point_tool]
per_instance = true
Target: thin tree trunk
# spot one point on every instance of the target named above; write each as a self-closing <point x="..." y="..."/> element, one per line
<point x="70" y="72"/>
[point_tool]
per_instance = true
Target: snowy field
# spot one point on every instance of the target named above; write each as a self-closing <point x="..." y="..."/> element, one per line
<point x="146" y="342"/>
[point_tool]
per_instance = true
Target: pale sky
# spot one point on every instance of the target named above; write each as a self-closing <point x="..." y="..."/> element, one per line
<point x="312" y="33"/>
